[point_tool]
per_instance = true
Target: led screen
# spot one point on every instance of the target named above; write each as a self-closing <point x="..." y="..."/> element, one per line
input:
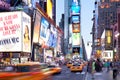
<point x="76" y="39"/>
<point x="75" y="9"/>
<point x="76" y="27"/>
<point x="43" y="30"/>
<point x="75" y="19"/>
<point x="49" y="8"/>
<point x="52" y="39"/>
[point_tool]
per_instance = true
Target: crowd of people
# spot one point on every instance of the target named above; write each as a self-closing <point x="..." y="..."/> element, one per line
<point x="97" y="65"/>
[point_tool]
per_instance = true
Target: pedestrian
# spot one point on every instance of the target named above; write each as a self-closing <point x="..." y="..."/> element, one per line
<point x="115" y="66"/>
<point x="93" y="66"/>
<point x="89" y="66"/>
<point x="98" y="65"/>
<point x="108" y="65"/>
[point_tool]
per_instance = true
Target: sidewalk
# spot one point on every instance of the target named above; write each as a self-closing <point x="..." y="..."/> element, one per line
<point x="101" y="76"/>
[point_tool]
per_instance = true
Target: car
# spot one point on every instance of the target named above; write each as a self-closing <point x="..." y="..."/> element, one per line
<point x="25" y="71"/>
<point x="54" y="68"/>
<point x="76" y="67"/>
<point x="69" y="64"/>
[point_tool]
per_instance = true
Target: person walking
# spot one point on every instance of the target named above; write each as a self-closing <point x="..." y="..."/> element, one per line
<point x="98" y="65"/>
<point x="108" y="65"/>
<point x="89" y="66"/>
<point x="115" y="66"/>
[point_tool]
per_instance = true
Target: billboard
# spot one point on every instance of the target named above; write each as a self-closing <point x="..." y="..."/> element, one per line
<point x="37" y="27"/>
<point x="75" y="10"/>
<point x="76" y="50"/>
<point x="108" y="39"/>
<point x="49" y="8"/>
<point x="44" y="27"/>
<point x="75" y="18"/>
<point x="107" y="54"/>
<point x="76" y="27"/>
<point x="76" y="39"/>
<point x="26" y="28"/>
<point x="52" y="40"/>
<point x="10" y="31"/>
<point x="75" y="2"/>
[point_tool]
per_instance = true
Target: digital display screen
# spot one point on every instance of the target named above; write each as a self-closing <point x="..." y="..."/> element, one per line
<point x="44" y="26"/>
<point x="75" y="9"/>
<point x="75" y="19"/>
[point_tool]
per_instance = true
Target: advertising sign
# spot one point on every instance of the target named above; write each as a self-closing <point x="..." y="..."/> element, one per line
<point x="108" y="39"/>
<point x="76" y="50"/>
<point x="76" y="39"/>
<point x="26" y="25"/>
<point x="10" y="31"/>
<point x="36" y="27"/>
<point x="107" y="54"/>
<point x="49" y="8"/>
<point x="76" y="27"/>
<point x="75" y="19"/>
<point x="75" y="10"/>
<point x="52" y="40"/>
<point x="75" y="2"/>
<point x="43" y="29"/>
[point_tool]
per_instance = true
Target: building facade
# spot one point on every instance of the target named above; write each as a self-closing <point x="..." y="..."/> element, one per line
<point x="106" y="15"/>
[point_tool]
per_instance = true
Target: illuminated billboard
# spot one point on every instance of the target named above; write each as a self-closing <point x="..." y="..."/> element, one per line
<point x="107" y="54"/>
<point x="76" y="27"/>
<point x="108" y="39"/>
<point x="43" y="29"/>
<point x="52" y="40"/>
<point x="36" y="27"/>
<point x="11" y="30"/>
<point x="76" y="50"/>
<point x="49" y="8"/>
<point x="26" y="25"/>
<point x="75" y="10"/>
<point x="44" y="32"/>
<point x="76" y="39"/>
<point x="75" y="18"/>
<point x="75" y="2"/>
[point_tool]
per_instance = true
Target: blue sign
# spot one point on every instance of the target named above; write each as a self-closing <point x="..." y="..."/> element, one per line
<point x="75" y="19"/>
<point x="75" y="2"/>
<point x="75" y="9"/>
<point x="44" y="26"/>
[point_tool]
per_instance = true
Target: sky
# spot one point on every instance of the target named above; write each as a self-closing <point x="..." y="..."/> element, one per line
<point x="87" y="7"/>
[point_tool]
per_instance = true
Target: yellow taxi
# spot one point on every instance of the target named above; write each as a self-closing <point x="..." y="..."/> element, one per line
<point x="25" y="71"/>
<point x="76" y="67"/>
<point x="54" y="69"/>
<point x="69" y="64"/>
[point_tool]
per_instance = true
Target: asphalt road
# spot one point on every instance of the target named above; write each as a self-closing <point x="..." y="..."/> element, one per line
<point x="66" y="74"/>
